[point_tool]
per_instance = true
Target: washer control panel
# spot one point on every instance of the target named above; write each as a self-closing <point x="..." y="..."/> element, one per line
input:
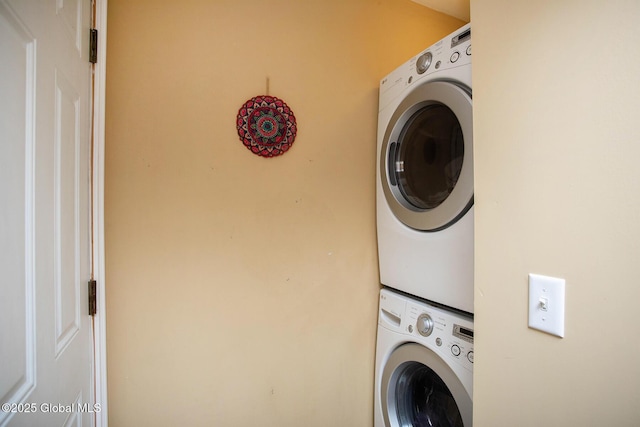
<point x="446" y="332"/>
<point x="450" y="335"/>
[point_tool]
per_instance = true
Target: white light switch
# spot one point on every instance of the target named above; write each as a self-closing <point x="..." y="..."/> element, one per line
<point x="546" y="304"/>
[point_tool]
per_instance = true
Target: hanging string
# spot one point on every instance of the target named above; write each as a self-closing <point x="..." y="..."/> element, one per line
<point x="267" y="85"/>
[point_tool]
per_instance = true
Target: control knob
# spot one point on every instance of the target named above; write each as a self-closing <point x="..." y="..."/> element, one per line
<point x="423" y="63"/>
<point x="424" y="325"/>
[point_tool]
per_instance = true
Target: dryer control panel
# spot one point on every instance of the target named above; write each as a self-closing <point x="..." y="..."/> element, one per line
<point x="451" y="53"/>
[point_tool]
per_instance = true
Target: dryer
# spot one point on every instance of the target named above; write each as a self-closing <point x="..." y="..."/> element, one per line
<point x="424" y="179"/>
<point x="424" y="364"/>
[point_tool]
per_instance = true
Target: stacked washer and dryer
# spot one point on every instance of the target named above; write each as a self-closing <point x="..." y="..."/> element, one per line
<point x="424" y="351"/>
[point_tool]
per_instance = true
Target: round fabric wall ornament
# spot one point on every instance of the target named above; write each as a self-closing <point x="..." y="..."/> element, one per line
<point x="266" y="126"/>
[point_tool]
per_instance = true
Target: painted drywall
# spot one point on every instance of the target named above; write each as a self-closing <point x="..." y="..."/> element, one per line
<point x="458" y="8"/>
<point x="243" y="290"/>
<point x="557" y="143"/>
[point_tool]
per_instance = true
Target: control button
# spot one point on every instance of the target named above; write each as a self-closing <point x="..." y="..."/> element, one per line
<point x="438" y="64"/>
<point x="470" y="356"/>
<point x="455" y="350"/>
<point x="410" y="79"/>
<point x="410" y="328"/>
<point x="438" y="342"/>
<point x="455" y="56"/>
<point x="469" y="50"/>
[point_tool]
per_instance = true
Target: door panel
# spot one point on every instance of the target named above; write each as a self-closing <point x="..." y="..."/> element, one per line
<point x="67" y="200"/>
<point x="45" y="330"/>
<point x="17" y="192"/>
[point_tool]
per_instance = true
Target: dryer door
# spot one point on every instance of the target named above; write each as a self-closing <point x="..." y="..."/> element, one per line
<point x="426" y="162"/>
<point x="419" y="389"/>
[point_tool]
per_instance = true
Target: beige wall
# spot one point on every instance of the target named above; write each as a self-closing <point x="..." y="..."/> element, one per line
<point x="242" y="290"/>
<point x="557" y="146"/>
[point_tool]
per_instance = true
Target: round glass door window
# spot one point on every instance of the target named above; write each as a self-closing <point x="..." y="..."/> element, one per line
<point x="429" y="156"/>
<point x="423" y="399"/>
<point x="426" y="163"/>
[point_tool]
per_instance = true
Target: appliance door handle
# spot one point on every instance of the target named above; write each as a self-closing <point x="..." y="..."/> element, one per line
<point x="391" y="163"/>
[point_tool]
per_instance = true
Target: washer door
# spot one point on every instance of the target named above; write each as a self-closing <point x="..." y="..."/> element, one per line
<point x="419" y="389"/>
<point x="426" y="163"/>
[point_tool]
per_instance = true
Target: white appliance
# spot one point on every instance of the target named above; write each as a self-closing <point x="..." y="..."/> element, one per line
<point x="425" y="174"/>
<point x="424" y="364"/>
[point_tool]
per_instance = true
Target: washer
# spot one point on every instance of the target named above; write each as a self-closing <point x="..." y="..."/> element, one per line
<point x="425" y="174"/>
<point x="424" y="364"/>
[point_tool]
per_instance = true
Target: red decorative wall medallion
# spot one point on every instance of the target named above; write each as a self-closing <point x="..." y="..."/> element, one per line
<point x="266" y="126"/>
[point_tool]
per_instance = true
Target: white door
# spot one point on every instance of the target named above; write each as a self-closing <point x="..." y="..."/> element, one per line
<point x="46" y="342"/>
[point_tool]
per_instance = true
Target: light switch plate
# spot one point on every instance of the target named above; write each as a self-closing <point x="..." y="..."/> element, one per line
<point x="546" y="304"/>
